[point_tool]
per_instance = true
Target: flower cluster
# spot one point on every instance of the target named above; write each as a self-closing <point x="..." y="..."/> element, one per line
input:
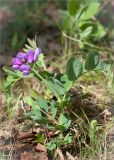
<point x="22" y="60"/>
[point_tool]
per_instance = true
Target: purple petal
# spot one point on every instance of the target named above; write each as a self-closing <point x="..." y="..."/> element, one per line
<point x="26" y="72"/>
<point x="15" y="67"/>
<point x="30" y="56"/>
<point x="37" y="53"/>
<point x="22" y="56"/>
<point x="16" y="61"/>
<point x="24" y="67"/>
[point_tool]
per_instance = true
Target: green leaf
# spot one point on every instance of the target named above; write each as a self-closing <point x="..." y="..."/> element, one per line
<point x="41" y="57"/>
<point x="64" y="80"/>
<point x="86" y="32"/>
<point x="64" y="122"/>
<point x="53" y="109"/>
<point x="91" y="10"/>
<point x="29" y="47"/>
<point x="32" y="43"/>
<point x="40" y="62"/>
<point x="68" y="139"/>
<point x="105" y="66"/>
<point x="93" y="129"/>
<point x="100" y="32"/>
<point x="42" y="103"/>
<point x="92" y="60"/>
<point x="37" y="116"/>
<point x="55" y="87"/>
<point x="28" y="100"/>
<point x="20" y="74"/>
<point x="11" y="78"/>
<point x="25" y="50"/>
<point x="9" y="71"/>
<point x="51" y="145"/>
<point x="64" y="20"/>
<point x="74" y="69"/>
<point x="6" y="84"/>
<point x="62" y="119"/>
<point x="39" y="138"/>
<point x="73" y="6"/>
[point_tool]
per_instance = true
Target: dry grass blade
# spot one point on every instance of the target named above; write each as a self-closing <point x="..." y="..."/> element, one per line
<point x="59" y="152"/>
<point x="70" y="157"/>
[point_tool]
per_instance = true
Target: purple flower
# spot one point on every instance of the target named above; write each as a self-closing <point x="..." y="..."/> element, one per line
<point x="22" y="56"/>
<point x="26" y="72"/>
<point x="22" y="60"/>
<point x="38" y="51"/>
<point x="24" y="67"/>
<point x="16" y="61"/>
<point x="15" y="67"/>
<point x="30" y="56"/>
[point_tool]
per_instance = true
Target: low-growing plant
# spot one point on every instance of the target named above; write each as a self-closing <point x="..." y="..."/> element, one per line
<point x="79" y="24"/>
<point x="52" y="110"/>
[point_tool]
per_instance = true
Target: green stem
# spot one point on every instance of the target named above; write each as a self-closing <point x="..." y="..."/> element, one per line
<point x="38" y="74"/>
<point x="4" y="90"/>
<point x="59" y="99"/>
<point x="87" y="43"/>
<point x="43" y="63"/>
<point x="91" y="70"/>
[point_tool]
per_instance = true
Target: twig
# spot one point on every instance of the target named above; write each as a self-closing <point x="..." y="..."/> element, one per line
<point x="50" y="117"/>
<point x="70" y="157"/>
<point x="26" y="135"/>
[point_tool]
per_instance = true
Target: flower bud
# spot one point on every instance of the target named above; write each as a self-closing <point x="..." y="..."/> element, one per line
<point x="16" y="61"/>
<point x="24" y="67"/>
<point x="22" y="56"/>
<point x="15" y="67"/>
<point x="30" y="56"/>
<point x="37" y="53"/>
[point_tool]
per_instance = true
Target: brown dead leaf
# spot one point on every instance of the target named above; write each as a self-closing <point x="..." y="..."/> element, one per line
<point x="27" y="156"/>
<point x="52" y="133"/>
<point x="41" y="147"/>
<point x="41" y="156"/>
<point x="25" y="135"/>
